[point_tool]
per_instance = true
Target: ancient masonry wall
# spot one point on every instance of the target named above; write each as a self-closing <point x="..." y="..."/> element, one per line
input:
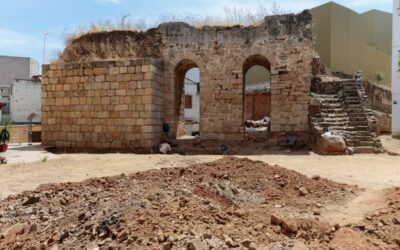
<point x="136" y="103"/>
<point x="102" y="104"/>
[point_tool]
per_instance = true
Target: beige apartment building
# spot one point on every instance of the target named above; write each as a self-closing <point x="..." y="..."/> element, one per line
<point x="348" y="41"/>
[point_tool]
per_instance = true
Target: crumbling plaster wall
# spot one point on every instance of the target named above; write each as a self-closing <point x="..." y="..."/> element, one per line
<point x="282" y="44"/>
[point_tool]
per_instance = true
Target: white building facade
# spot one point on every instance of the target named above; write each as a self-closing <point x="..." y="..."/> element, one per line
<point x="192" y="109"/>
<point x="11" y="68"/>
<point x="396" y="70"/>
<point x="25" y="99"/>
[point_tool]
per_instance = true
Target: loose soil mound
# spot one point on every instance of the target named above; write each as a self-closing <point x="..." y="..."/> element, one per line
<point x="229" y="203"/>
<point x="384" y="224"/>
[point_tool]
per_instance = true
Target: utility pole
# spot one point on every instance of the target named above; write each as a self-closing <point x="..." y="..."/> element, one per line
<point x="123" y="20"/>
<point x="44" y="45"/>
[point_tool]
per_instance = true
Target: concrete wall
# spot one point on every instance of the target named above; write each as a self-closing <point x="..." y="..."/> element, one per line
<point x="12" y="68"/>
<point x="395" y="70"/>
<point x="103" y="105"/>
<point x="346" y="40"/>
<point x="25" y="100"/>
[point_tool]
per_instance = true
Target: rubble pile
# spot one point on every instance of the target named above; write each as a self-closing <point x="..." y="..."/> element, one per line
<point x="230" y="203"/>
<point x="384" y="224"/>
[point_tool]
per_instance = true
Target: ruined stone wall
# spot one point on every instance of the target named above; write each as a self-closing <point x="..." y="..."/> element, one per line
<point x="379" y="96"/>
<point x="102" y="104"/>
<point x="282" y="44"/>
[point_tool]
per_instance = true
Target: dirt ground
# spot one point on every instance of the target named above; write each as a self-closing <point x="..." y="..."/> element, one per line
<point x="391" y="144"/>
<point x="365" y="207"/>
<point x="229" y="203"/>
<point x="369" y="171"/>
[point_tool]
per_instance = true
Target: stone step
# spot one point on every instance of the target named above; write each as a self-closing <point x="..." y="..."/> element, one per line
<point x="332" y="124"/>
<point x="358" y="123"/>
<point x="352" y="102"/>
<point x="350" y="87"/>
<point x="355" y="110"/>
<point x="341" y="128"/>
<point x="332" y="110"/>
<point x="351" y="83"/>
<point x="361" y="128"/>
<point x="365" y="150"/>
<point x="356" y="115"/>
<point x="355" y="106"/>
<point x="330" y="101"/>
<point x="357" y="119"/>
<point x="326" y="96"/>
<point x="367" y="143"/>
<point x="343" y="119"/>
<point x="362" y="133"/>
<point x="351" y="94"/>
<point x="359" y="137"/>
<point x="331" y="105"/>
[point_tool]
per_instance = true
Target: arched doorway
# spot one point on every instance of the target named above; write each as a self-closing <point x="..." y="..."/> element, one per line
<point x="187" y="106"/>
<point x="257" y="94"/>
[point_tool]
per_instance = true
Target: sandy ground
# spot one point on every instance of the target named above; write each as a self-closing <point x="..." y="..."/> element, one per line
<point x="391" y="144"/>
<point x="368" y="171"/>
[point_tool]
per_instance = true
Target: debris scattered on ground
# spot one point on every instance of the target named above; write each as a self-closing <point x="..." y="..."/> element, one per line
<point x="3" y="160"/>
<point x="229" y="203"/>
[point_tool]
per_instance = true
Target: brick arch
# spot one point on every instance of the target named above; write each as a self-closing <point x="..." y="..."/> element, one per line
<point x="256" y="60"/>
<point x="262" y="51"/>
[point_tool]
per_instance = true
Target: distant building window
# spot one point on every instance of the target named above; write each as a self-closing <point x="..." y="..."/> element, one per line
<point x="188" y="101"/>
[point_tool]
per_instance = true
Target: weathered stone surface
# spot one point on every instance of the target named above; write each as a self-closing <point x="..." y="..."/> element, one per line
<point x="333" y="143"/>
<point x="384" y="122"/>
<point x="111" y="103"/>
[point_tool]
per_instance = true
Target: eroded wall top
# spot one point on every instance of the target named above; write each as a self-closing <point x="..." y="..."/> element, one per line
<point x="129" y="44"/>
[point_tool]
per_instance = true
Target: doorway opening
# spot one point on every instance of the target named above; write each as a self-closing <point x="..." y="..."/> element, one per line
<point x="188" y="83"/>
<point x="257" y="94"/>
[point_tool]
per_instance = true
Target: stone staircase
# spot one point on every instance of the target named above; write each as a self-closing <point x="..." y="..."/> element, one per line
<point x="343" y="109"/>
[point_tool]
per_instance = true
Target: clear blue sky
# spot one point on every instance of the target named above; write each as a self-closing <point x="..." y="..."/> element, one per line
<point x="23" y="22"/>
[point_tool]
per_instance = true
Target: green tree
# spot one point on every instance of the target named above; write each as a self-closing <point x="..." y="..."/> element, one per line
<point x="379" y="76"/>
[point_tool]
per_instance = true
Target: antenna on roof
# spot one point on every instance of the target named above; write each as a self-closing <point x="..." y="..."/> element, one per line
<point x="44" y="45"/>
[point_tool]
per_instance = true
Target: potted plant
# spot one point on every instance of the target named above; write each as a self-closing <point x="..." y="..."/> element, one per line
<point x="5" y="136"/>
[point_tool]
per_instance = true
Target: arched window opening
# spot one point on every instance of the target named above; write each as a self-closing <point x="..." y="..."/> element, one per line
<point x="257" y="94"/>
<point x="188" y="100"/>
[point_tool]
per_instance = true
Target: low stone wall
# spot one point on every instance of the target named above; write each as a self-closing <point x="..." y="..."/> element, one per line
<point x="380" y="97"/>
<point x="102" y="105"/>
<point x="384" y="122"/>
